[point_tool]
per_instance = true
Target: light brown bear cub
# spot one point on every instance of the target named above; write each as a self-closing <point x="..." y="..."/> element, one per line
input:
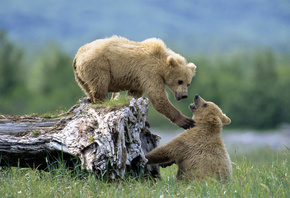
<point x="199" y="152"/>
<point x="117" y="64"/>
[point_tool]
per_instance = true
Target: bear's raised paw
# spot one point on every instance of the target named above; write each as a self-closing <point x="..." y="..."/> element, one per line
<point x="185" y="123"/>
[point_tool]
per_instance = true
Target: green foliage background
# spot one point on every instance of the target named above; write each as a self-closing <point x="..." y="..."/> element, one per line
<point x="251" y="87"/>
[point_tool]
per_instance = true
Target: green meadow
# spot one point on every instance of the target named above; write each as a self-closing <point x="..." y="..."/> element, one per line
<point x="261" y="172"/>
<point x="250" y="86"/>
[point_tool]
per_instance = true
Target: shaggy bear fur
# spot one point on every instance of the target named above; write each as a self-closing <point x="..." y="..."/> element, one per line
<point x="199" y="152"/>
<point x="117" y="64"/>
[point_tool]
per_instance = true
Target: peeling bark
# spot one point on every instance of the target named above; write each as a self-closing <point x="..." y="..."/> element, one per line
<point x="105" y="140"/>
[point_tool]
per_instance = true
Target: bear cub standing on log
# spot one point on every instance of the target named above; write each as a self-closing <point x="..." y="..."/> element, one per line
<point x="116" y="64"/>
<point x="199" y="152"/>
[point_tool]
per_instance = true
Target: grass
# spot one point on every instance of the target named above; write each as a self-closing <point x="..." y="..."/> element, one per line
<point x="54" y="114"/>
<point x="117" y="102"/>
<point x="265" y="177"/>
<point x="120" y="101"/>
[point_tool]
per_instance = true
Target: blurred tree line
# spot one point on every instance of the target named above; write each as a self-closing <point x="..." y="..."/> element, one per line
<point x="252" y="88"/>
<point x="41" y="85"/>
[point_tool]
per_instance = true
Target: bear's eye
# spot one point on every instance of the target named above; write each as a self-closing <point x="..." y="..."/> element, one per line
<point x="204" y="105"/>
<point x="180" y="82"/>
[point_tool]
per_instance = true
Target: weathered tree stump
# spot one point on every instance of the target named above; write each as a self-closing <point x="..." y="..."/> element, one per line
<point x="105" y="140"/>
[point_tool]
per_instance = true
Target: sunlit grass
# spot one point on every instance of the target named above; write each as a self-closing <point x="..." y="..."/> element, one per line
<point x="252" y="177"/>
<point x="54" y="114"/>
<point x="116" y="102"/>
<point x="120" y="101"/>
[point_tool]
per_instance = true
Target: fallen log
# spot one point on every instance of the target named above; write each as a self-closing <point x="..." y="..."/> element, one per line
<point x="111" y="140"/>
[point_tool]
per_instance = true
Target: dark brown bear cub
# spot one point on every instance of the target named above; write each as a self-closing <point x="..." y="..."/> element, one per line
<point x="199" y="152"/>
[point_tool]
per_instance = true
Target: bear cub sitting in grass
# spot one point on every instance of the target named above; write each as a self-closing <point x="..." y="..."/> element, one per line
<point x="199" y="152"/>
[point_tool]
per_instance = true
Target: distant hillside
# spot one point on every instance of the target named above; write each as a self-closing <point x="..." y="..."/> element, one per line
<point x="188" y="26"/>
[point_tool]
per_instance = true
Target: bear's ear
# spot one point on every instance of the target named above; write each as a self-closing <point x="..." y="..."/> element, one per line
<point x="192" y="67"/>
<point x="172" y="61"/>
<point x="214" y="119"/>
<point x="226" y="119"/>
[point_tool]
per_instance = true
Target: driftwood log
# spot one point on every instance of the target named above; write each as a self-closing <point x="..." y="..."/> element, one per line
<point x="105" y="140"/>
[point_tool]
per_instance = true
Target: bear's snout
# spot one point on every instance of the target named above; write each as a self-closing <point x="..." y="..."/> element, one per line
<point x="196" y="99"/>
<point x="180" y="96"/>
<point x="184" y="96"/>
<point x="192" y="106"/>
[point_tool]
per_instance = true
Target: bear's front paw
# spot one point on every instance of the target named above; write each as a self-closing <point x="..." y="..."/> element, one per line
<point x="186" y="123"/>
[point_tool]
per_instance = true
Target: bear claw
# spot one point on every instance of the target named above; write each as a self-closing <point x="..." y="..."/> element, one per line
<point x="189" y="124"/>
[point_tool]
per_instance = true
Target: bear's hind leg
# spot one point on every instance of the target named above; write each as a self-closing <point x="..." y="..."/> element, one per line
<point x="99" y="95"/>
<point x="99" y="89"/>
<point x="84" y="86"/>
